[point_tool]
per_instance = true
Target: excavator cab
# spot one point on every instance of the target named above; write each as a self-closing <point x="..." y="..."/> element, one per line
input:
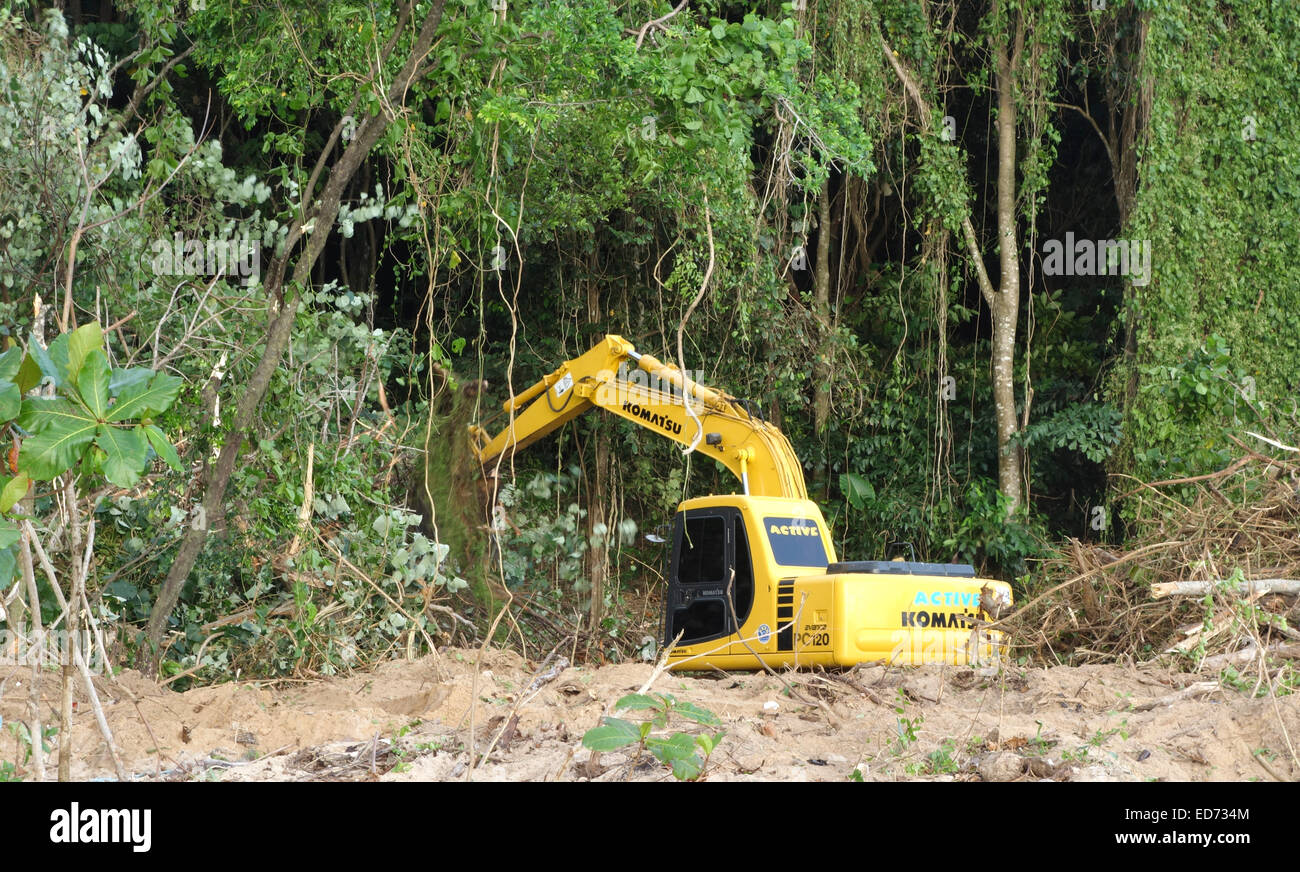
<point x="731" y="594"/>
<point x="710" y="576"/>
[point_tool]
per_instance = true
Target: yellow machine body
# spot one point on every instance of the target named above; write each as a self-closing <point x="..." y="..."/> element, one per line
<point x="752" y="577"/>
<point x="749" y="581"/>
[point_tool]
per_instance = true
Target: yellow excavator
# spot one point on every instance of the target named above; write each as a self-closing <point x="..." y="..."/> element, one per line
<point x="753" y="578"/>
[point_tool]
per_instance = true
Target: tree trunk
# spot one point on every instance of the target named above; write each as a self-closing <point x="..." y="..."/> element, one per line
<point x="598" y="502"/>
<point x="1129" y="95"/>
<point x="1005" y="304"/>
<point x="822" y="311"/>
<point x="601" y="512"/>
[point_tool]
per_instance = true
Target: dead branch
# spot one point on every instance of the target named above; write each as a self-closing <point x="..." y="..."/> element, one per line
<point x="1286" y="586"/>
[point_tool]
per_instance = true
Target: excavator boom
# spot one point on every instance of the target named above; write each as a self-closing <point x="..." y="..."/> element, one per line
<point x="613" y="376"/>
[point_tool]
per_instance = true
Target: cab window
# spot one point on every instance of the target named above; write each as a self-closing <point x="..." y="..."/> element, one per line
<point x="795" y="541"/>
<point x="704" y="551"/>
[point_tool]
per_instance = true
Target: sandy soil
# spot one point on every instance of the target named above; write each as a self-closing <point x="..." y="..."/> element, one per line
<point x="417" y="721"/>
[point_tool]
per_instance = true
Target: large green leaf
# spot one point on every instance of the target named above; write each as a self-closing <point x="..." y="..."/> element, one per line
<point x="56" y="447"/>
<point x="677" y="751"/>
<point x="125" y="378"/>
<point x="638" y="701"/>
<point x="46" y="362"/>
<point x="692" y="712"/>
<point x="8" y="562"/>
<point x="8" y="533"/>
<point x="29" y="374"/>
<point x="11" y="401"/>
<point x="81" y="342"/>
<point x="92" y="383"/>
<point x="125" y="454"/>
<point x="10" y="361"/>
<point x="141" y="399"/>
<point x="616" y="733"/>
<point x="857" y="489"/>
<point x="40" y="413"/>
<point x="158" y="440"/>
<point x="14" y="490"/>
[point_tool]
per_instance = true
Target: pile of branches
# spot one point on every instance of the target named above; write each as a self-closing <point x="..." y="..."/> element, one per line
<point x="1212" y="573"/>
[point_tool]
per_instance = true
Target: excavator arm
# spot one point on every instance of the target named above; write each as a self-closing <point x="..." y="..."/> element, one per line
<point x="613" y="376"/>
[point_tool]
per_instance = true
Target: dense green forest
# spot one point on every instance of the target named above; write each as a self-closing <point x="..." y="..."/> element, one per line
<point x="994" y="266"/>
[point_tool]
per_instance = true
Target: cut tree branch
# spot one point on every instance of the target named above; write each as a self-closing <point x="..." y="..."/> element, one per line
<point x="1200" y="587"/>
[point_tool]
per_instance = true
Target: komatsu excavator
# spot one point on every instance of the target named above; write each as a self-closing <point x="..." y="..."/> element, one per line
<point x="753" y="579"/>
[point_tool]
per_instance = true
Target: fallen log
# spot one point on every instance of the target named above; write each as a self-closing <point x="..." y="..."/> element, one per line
<point x="1286" y="586"/>
<point x="1249" y="653"/>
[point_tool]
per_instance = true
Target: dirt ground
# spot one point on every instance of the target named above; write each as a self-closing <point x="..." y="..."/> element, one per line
<point x="416" y="721"/>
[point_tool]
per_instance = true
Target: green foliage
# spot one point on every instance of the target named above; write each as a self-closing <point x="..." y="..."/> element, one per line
<point x="86" y="425"/>
<point x="987" y="532"/>
<point x="88" y="421"/>
<point x="857" y="490"/>
<point x="22" y="737"/>
<point x="551" y="178"/>
<point x="1090" y="429"/>
<point x="1187" y="410"/>
<point x="546" y="538"/>
<point x="546" y="544"/>
<point x="941" y="761"/>
<point x="686" y="753"/>
<point x="1217" y="202"/>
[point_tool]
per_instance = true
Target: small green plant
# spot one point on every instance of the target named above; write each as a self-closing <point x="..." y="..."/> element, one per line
<point x="686" y="753"/>
<point x="1039" y="745"/>
<point x="9" y="770"/>
<point x="943" y="760"/>
<point x="908" y="728"/>
<point x="1080" y="754"/>
<point x="98" y="421"/>
<point x="987" y="528"/>
<point x="399" y="753"/>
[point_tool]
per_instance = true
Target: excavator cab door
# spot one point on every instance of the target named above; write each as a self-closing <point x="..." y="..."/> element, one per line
<point x="710" y="576"/>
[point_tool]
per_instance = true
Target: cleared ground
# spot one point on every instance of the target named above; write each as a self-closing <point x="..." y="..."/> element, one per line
<point x="418" y="720"/>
